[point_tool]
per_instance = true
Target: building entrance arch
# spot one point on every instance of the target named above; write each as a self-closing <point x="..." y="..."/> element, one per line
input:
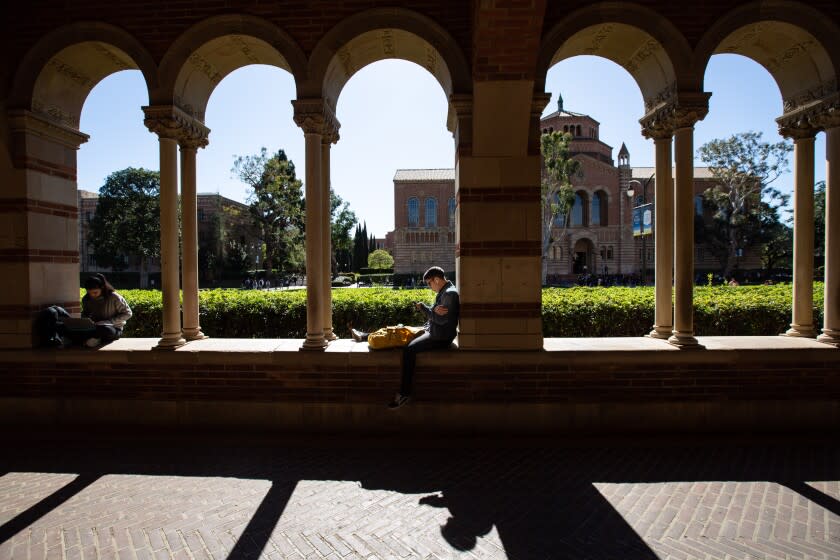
<point x="583" y="260"/>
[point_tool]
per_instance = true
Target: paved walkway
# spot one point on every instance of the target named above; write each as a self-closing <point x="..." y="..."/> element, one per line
<point x="374" y="500"/>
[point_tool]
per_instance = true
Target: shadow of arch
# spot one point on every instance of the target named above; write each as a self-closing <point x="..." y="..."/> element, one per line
<point x="210" y="50"/>
<point x="638" y="39"/>
<point x="381" y="34"/>
<point x="797" y="45"/>
<point x="55" y="77"/>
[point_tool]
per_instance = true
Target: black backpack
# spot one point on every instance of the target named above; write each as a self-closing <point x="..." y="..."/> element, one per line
<point x="46" y="327"/>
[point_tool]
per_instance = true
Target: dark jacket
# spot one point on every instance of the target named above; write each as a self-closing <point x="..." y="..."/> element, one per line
<point x="443" y="327"/>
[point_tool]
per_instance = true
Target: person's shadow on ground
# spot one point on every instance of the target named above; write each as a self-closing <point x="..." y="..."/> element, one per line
<point x="543" y="502"/>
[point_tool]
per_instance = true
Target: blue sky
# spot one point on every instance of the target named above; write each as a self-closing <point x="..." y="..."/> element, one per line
<point x="393" y="115"/>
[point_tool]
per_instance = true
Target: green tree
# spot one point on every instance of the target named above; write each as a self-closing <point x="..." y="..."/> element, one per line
<point x="557" y="193"/>
<point x="361" y="247"/>
<point x="276" y="205"/>
<point x="380" y="259"/>
<point x="342" y="220"/>
<point x="742" y="201"/>
<point x="819" y="222"/>
<point x="777" y="251"/>
<point x="127" y="220"/>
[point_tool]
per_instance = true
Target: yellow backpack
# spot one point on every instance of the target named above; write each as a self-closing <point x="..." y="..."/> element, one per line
<point x="393" y="337"/>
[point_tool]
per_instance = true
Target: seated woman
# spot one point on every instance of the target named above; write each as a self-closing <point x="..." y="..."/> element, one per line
<point x="106" y="308"/>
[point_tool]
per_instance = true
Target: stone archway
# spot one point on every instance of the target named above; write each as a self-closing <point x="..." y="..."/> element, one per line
<point x="636" y="38"/>
<point x="200" y="58"/>
<point x="583" y="257"/>
<point x="40" y="190"/>
<point x="801" y="50"/>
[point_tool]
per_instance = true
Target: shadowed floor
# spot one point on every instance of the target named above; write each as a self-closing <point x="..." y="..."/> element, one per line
<point x="377" y="499"/>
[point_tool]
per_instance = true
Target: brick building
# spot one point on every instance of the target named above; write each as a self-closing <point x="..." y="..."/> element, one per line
<point x="599" y="235"/>
<point x="219" y="219"/>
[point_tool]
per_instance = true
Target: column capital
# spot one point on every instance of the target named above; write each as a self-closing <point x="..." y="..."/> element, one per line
<point x="797" y="127"/>
<point x="829" y="117"/>
<point x="315" y="116"/>
<point x="682" y="111"/>
<point x="168" y="121"/>
<point x="28" y="122"/>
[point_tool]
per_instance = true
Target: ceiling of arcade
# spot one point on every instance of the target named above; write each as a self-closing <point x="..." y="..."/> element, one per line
<point x="796" y="59"/>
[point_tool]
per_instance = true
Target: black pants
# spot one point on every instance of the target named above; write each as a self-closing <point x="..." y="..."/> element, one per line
<point x="422" y="343"/>
<point x="106" y="333"/>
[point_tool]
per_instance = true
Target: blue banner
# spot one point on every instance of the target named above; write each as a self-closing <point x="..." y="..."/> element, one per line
<point x="643" y="220"/>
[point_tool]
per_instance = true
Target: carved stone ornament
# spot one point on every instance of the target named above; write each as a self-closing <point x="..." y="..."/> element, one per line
<point x="829" y="118"/>
<point x="168" y="121"/>
<point x="810" y="96"/>
<point x="684" y="111"/>
<point x="28" y="122"/>
<point x="315" y="116"/>
<point x="796" y="128"/>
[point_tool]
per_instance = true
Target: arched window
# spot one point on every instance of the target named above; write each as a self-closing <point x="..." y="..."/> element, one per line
<point x="413" y="212"/>
<point x="599" y="209"/>
<point x="578" y="211"/>
<point x="452" y="211"/>
<point x="578" y="131"/>
<point x="698" y="204"/>
<point x="431" y="212"/>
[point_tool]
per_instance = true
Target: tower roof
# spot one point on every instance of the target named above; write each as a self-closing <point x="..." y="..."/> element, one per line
<point x="623" y="151"/>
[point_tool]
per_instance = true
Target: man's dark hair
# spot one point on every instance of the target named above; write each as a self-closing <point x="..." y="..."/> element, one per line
<point x="434" y="272"/>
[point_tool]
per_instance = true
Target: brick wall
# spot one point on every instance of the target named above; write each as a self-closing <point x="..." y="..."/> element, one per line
<point x="445" y="382"/>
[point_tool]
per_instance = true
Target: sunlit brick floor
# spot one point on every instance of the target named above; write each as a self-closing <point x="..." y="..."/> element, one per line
<point x="373" y="499"/>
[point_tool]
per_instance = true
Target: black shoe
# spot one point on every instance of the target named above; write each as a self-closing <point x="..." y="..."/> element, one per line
<point x="358" y="336"/>
<point x="398" y="401"/>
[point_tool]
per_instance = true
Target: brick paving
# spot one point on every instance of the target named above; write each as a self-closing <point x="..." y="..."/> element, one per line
<point x="338" y="500"/>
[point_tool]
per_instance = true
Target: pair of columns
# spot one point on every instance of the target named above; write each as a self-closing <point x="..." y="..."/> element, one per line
<point x="320" y="128"/>
<point x="177" y="129"/>
<point x="803" y="131"/>
<point x="674" y="219"/>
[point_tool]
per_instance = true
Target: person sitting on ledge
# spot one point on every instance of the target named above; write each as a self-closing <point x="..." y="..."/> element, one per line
<point x="439" y="331"/>
<point x="106" y="308"/>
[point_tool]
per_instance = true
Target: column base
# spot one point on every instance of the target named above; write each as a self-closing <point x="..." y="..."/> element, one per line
<point x="170" y="342"/>
<point x="830" y="336"/>
<point x="801" y="331"/>
<point x="685" y="341"/>
<point x="660" y="332"/>
<point x="314" y="343"/>
<point x="194" y="334"/>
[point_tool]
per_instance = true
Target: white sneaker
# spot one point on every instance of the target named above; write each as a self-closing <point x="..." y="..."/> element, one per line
<point x="92" y="342"/>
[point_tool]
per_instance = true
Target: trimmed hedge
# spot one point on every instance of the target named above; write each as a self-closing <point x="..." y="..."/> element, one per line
<point x="566" y="312"/>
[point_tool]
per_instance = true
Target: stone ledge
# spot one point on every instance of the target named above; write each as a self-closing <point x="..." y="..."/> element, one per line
<point x="606" y="385"/>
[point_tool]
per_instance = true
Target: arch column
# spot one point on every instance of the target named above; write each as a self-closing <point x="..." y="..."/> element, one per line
<point x="497" y="185"/>
<point x="830" y="121"/>
<point x="330" y="137"/>
<point x="189" y="232"/>
<point x="170" y="124"/>
<point x="662" y="135"/>
<point x="311" y="115"/>
<point x="690" y="109"/>
<point x="802" y="320"/>
<point x="39" y="241"/>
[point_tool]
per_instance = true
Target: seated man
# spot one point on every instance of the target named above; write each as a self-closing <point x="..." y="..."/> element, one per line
<point x="440" y="329"/>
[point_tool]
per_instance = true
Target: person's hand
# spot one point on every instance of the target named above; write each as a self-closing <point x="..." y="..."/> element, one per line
<point x="441" y="310"/>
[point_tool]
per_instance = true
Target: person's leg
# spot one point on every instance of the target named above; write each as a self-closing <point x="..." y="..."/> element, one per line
<point x="422" y="343"/>
<point x="106" y="333"/>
